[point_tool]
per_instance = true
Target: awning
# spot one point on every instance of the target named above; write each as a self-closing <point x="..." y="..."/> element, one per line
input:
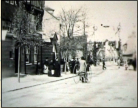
<point x="127" y="55"/>
<point x="4" y="33"/>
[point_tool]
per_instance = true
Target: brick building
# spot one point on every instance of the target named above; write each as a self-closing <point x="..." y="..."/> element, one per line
<point x="29" y="56"/>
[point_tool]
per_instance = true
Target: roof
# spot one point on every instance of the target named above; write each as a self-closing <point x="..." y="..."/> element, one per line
<point x="48" y="8"/>
<point x="45" y="37"/>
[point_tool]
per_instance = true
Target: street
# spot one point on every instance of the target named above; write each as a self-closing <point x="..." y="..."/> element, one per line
<point x="110" y="88"/>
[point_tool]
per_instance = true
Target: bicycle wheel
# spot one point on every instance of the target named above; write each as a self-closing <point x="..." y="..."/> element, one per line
<point x="77" y="77"/>
<point x="89" y="76"/>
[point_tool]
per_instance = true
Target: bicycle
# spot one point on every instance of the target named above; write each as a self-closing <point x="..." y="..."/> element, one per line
<point x="81" y="76"/>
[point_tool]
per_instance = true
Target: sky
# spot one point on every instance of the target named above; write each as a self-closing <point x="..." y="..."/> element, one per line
<point x="109" y="13"/>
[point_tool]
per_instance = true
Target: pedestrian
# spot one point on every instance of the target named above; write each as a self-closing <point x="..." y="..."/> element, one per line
<point x="126" y="65"/>
<point x="88" y="62"/>
<point x="118" y="61"/>
<point x="62" y="64"/>
<point x="77" y="65"/>
<point x="45" y="66"/>
<point x="70" y="65"/>
<point x="104" y="64"/>
<point x="83" y="66"/>
<point x="73" y="66"/>
<point x="57" y="68"/>
<point x="51" y="68"/>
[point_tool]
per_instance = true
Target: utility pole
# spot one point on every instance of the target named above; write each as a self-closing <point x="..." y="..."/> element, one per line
<point x="94" y="47"/>
<point x="119" y="42"/>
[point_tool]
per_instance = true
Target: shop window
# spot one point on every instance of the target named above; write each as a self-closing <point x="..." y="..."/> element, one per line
<point x="35" y="54"/>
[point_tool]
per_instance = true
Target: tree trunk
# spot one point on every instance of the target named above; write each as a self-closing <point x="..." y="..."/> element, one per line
<point x="19" y="65"/>
<point x="37" y="62"/>
<point x="25" y="60"/>
<point x="41" y="61"/>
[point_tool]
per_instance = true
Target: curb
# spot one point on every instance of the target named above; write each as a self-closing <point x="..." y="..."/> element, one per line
<point x="38" y="84"/>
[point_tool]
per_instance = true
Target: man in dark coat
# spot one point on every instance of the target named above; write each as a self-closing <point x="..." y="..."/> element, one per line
<point x="73" y="66"/>
<point x="57" y="68"/>
<point x="77" y="64"/>
<point x="70" y="66"/>
<point x="104" y="64"/>
<point x="88" y="62"/>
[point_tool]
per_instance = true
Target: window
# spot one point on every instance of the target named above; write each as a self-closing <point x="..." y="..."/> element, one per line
<point x="12" y="2"/>
<point x="6" y="25"/>
<point x="7" y="1"/>
<point x="35" y="54"/>
<point x="27" y="54"/>
<point x="28" y="1"/>
<point x="32" y="26"/>
<point x="11" y="54"/>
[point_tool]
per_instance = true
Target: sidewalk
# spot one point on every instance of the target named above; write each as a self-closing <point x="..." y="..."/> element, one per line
<point x="11" y="84"/>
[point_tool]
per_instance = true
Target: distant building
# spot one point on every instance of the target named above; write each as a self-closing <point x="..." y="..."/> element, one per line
<point x="130" y="48"/>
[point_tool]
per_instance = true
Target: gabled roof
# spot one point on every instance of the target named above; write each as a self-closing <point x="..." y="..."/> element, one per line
<point x="49" y="10"/>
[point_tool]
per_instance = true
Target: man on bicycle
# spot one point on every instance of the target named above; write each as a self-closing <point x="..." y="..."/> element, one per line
<point x="83" y="68"/>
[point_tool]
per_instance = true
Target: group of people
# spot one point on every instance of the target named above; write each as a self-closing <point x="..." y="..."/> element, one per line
<point x="81" y="65"/>
<point x="73" y="65"/>
<point x="52" y="67"/>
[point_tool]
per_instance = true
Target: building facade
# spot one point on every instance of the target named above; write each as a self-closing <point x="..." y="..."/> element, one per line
<point x="50" y="33"/>
<point x="29" y="56"/>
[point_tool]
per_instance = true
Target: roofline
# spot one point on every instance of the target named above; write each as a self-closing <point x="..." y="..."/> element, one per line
<point x="52" y="15"/>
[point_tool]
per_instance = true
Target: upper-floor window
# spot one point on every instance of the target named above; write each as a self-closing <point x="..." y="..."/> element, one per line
<point x="7" y="1"/>
<point x="11" y="2"/>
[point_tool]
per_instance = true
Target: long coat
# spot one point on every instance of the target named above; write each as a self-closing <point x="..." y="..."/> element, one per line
<point x="57" y="69"/>
<point x="51" y="66"/>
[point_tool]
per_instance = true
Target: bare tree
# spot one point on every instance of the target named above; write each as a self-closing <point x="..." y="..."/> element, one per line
<point x="69" y="21"/>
